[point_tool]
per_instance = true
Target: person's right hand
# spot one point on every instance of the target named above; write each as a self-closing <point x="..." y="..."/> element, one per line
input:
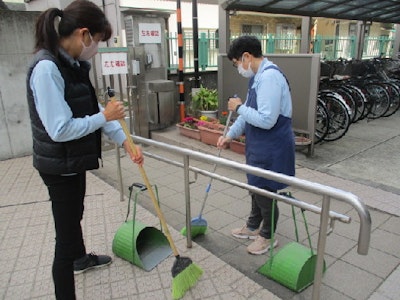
<point x="222" y="141"/>
<point x="114" y="110"/>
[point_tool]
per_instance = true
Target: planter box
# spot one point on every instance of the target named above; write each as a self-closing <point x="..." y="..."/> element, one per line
<point x="189" y="132"/>
<point x="237" y="147"/>
<point x="210" y="133"/>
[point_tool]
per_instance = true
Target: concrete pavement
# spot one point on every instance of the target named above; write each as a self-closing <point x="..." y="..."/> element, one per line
<point x="364" y="162"/>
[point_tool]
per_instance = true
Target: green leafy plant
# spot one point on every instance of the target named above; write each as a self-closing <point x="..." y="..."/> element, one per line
<point x="241" y="139"/>
<point x="205" y="99"/>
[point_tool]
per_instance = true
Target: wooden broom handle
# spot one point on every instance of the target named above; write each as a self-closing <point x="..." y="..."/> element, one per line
<point x="147" y="183"/>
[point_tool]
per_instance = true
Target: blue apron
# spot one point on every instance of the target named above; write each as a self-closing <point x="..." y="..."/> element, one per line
<point x="270" y="149"/>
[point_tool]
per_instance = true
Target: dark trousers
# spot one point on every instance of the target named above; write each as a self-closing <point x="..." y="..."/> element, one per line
<point x="261" y="211"/>
<point x="66" y="194"/>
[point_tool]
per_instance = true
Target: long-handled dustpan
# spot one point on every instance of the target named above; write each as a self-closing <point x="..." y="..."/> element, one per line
<point x="198" y="224"/>
<point x="142" y="245"/>
<point x="293" y="265"/>
<point x="185" y="273"/>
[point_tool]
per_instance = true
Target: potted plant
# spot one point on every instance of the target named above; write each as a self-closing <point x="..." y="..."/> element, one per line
<point x="189" y="128"/>
<point x="205" y="102"/>
<point x="210" y="132"/>
<point x="238" y="145"/>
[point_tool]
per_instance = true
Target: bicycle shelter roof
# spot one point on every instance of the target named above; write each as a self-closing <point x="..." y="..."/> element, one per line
<point x="385" y="11"/>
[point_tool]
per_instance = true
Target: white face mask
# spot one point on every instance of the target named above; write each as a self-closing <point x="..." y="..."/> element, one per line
<point x="90" y="51"/>
<point x="245" y="73"/>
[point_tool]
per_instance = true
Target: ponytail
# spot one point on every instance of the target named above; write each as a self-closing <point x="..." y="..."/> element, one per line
<point x="46" y="35"/>
<point x="78" y="14"/>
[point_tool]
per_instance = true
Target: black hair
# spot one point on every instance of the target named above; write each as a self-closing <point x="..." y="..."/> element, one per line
<point x="78" y="14"/>
<point x="245" y="43"/>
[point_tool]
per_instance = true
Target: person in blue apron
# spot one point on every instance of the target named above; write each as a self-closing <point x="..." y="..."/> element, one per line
<point x="265" y="118"/>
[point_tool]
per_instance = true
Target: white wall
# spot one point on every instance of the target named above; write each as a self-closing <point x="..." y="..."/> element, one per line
<point x="207" y="14"/>
<point x="207" y="17"/>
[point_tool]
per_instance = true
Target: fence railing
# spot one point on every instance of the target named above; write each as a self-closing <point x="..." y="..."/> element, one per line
<point x="326" y="192"/>
<point x="330" y="47"/>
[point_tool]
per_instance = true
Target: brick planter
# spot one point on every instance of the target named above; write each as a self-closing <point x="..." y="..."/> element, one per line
<point x="210" y="133"/>
<point x="237" y="147"/>
<point x="189" y="132"/>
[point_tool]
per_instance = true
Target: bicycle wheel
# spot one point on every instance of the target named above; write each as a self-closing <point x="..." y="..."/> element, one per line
<point x="359" y="99"/>
<point x="321" y="121"/>
<point x="380" y="101"/>
<point x="339" y="115"/>
<point x="348" y="98"/>
<point x="394" y="94"/>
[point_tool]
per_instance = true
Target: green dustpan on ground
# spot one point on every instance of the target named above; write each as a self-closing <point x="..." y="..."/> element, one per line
<point x="293" y="265"/>
<point x="141" y="245"/>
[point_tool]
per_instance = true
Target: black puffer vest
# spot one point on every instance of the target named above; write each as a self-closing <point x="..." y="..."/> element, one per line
<point x="74" y="156"/>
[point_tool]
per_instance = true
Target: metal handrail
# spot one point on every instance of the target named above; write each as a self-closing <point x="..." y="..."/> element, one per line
<point x="326" y="191"/>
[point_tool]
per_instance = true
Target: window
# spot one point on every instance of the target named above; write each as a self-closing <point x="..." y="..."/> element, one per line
<point x="252" y="29"/>
<point x="352" y="29"/>
<point x="285" y="36"/>
<point x="285" y="29"/>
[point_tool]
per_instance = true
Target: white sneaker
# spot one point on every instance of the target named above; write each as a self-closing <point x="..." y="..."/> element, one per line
<point x="245" y="233"/>
<point x="261" y="245"/>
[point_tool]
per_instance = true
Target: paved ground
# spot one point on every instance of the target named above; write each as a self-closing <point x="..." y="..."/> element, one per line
<point x="364" y="162"/>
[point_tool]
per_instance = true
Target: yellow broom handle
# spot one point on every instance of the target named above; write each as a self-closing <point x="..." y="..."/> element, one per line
<point x="148" y="185"/>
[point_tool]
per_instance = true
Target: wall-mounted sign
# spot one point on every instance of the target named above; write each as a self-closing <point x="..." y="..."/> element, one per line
<point x="150" y="33"/>
<point x="114" y="63"/>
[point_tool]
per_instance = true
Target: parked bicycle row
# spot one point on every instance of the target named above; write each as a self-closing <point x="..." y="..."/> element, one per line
<point x="352" y="90"/>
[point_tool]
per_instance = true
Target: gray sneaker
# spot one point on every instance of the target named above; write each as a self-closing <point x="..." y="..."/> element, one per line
<point x="90" y="261"/>
<point x="245" y="233"/>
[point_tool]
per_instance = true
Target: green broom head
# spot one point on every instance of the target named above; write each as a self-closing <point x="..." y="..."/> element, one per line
<point x="184" y="275"/>
<point x="196" y="230"/>
<point x="198" y="226"/>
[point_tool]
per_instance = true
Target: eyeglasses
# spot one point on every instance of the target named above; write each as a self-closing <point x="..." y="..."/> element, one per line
<point x="235" y="63"/>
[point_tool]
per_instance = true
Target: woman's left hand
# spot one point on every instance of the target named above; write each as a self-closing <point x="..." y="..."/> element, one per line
<point x="135" y="157"/>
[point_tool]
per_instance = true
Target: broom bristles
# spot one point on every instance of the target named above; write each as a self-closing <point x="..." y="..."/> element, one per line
<point x="195" y="230"/>
<point x="185" y="278"/>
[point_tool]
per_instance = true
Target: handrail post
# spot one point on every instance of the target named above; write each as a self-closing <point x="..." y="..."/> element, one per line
<point x="319" y="267"/>
<point x="187" y="201"/>
<point x="119" y="172"/>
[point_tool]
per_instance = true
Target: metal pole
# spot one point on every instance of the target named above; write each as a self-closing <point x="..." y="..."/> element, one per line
<point x="195" y="44"/>
<point x="187" y="201"/>
<point x="180" y="59"/>
<point x="119" y="171"/>
<point x="319" y="268"/>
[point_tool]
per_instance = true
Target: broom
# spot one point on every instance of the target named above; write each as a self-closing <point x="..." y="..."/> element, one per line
<point x="184" y="272"/>
<point x="199" y="225"/>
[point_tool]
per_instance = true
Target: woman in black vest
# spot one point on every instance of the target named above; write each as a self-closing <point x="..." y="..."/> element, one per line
<point x="67" y="123"/>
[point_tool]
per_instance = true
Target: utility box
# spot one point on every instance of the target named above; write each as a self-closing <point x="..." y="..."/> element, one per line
<point x="160" y="103"/>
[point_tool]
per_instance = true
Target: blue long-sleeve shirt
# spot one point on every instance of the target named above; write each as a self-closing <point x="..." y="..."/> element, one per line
<point x="48" y="87"/>
<point x="273" y="99"/>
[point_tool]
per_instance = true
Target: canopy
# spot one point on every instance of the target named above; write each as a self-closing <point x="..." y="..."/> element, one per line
<point x="385" y="11"/>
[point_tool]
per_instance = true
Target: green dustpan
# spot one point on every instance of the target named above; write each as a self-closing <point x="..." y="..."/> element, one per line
<point x="293" y="265"/>
<point x="141" y="245"/>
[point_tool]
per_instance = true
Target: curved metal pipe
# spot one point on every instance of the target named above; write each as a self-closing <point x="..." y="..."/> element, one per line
<point x="359" y="206"/>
